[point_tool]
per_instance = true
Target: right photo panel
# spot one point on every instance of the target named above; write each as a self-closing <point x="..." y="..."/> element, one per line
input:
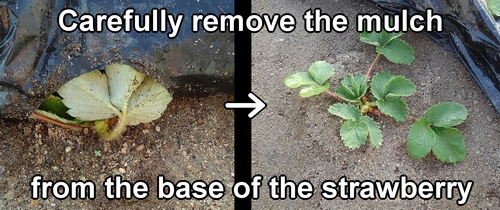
<point x="377" y="105"/>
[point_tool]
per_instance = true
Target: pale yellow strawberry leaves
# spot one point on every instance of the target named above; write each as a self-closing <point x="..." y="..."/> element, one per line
<point x="122" y="91"/>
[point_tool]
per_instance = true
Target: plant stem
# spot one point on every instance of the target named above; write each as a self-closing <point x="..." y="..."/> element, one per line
<point x="371" y="67"/>
<point x="118" y="129"/>
<point x="413" y="118"/>
<point x="335" y="96"/>
<point x="56" y="122"/>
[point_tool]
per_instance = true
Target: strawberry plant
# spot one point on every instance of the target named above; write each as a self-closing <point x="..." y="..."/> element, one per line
<point x="433" y="132"/>
<point x="106" y="101"/>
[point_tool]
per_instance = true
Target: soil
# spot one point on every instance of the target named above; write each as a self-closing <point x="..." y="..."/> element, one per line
<point x="193" y="140"/>
<point x="297" y="137"/>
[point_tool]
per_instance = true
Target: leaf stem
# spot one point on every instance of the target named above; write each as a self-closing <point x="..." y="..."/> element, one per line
<point x="117" y="130"/>
<point x="56" y="122"/>
<point x="371" y="67"/>
<point x="413" y="118"/>
<point x="335" y="96"/>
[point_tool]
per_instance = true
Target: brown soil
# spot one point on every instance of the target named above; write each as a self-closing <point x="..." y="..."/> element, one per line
<point x="193" y="140"/>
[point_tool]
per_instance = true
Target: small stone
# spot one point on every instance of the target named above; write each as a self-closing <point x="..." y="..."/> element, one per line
<point x="123" y="150"/>
<point x="157" y="128"/>
<point x="34" y="202"/>
<point x="475" y="102"/>
<point x="86" y="131"/>
<point x="144" y="131"/>
<point x="52" y="132"/>
<point x="122" y="170"/>
<point x="68" y="149"/>
<point x="140" y="148"/>
<point x="27" y="130"/>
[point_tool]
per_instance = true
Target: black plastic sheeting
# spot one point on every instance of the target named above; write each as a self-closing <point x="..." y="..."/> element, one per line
<point x="37" y="57"/>
<point x="470" y="30"/>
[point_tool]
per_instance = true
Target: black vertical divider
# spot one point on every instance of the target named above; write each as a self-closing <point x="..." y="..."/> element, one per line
<point x="242" y="87"/>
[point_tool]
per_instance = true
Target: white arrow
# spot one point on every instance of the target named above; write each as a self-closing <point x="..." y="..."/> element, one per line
<point x="258" y="105"/>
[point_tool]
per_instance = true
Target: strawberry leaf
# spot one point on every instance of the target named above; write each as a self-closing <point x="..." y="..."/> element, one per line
<point x="394" y="107"/>
<point x="420" y="139"/>
<point x="446" y="114"/>
<point x="123" y="92"/>
<point x="399" y="86"/>
<point x="299" y="79"/>
<point x="378" y="84"/>
<point x="352" y="88"/>
<point x="345" y="111"/>
<point x="449" y="145"/>
<point x="321" y="71"/>
<point x="313" y="89"/>
<point x="397" y="51"/>
<point x="87" y="97"/>
<point x="374" y="131"/>
<point x="354" y="133"/>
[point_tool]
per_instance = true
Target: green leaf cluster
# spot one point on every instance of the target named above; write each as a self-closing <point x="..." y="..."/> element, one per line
<point x="312" y="82"/>
<point x="434" y="133"/>
<point x="390" y="45"/>
<point x="352" y="88"/>
<point x="356" y="128"/>
<point x="387" y="89"/>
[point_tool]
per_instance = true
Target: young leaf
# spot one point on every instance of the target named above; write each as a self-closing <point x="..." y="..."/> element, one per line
<point x="313" y="89"/>
<point x="299" y="79"/>
<point x="378" y="84"/>
<point x="345" y="111"/>
<point x="394" y="107"/>
<point x="373" y="131"/>
<point x="321" y="71"/>
<point x="420" y="139"/>
<point x="352" y="88"/>
<point x="397" y="51"/>
<point x="87" y="97"/>
<point x="449" y="145"/>
<point x="357" y="84"/>
<point x="354" y="133"/>
<point x="346" y="94"/>
<point x="446" y="114"/>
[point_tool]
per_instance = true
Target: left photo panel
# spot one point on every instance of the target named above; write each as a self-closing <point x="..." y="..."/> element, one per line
<point x="116" y="104"/>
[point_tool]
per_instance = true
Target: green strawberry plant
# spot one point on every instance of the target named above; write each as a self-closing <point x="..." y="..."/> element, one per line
<point x="106" y="101"/>
<point x="433" y="132"/>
